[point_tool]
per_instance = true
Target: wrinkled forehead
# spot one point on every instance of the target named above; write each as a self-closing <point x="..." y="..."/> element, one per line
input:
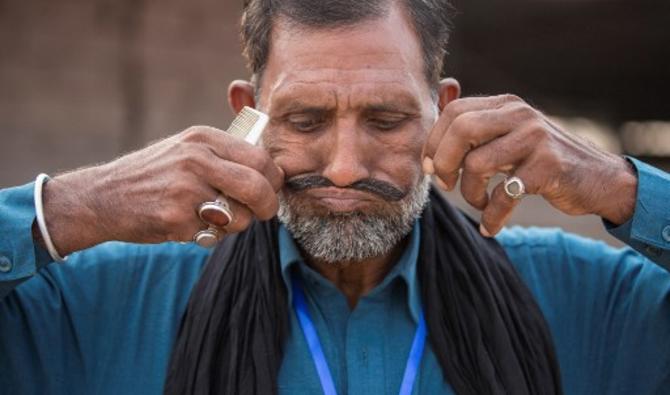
<point x="373" y="60"/>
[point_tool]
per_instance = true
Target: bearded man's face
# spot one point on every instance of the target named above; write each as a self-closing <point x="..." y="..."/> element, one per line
<point x="349" y="111"/>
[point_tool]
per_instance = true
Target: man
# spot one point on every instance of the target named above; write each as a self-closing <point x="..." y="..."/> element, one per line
<point x="329" y="298"/>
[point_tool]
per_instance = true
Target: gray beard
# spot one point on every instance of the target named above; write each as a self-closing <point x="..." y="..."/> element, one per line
<point x="355" y="236"/>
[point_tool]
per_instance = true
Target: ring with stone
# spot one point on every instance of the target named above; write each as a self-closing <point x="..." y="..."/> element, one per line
<point x="216" y="213"/>
<point x="514" y="187"/>
<point x="207" y="238"/>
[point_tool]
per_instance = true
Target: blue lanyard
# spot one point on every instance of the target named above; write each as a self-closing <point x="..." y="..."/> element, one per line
<point x="319" y="358"/>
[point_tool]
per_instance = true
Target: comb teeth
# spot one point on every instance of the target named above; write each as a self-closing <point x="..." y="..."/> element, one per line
<point x="248" y="125"/>
<point x="243" y="123"/>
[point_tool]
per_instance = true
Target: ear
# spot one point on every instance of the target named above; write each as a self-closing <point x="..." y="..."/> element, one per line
<point x="449" y="91"/>
<point x="240" y="94"/>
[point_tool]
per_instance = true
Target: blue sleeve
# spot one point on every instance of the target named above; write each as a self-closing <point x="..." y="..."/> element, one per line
<point x="608" y="310"/>
<point x="101" y="323"/>
<point x="648" y="231"/>
<point x="20" y="258"/>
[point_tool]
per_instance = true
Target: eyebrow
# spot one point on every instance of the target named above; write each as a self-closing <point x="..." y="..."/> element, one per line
<point x="287" y="106"/>
<point x="393" y="103"/>
<point x="391" y="108"/>
<point x="399" y="100"/>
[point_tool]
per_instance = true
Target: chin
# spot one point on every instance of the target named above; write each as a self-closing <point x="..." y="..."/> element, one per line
<point x="353" y="235"/>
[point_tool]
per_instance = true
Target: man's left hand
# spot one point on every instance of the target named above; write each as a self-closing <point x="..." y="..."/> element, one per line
<point x="479" y="137"/>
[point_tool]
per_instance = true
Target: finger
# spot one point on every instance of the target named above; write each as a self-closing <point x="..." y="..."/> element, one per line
<point x="498" y="156"/>
<point x="173" y="215"/>
<point x="472" y="129"/>
<point x="188" y="232"/>
<point x="456" y="108"/>
<point x="438" y="181"/>
<point x="241" y="220"/>
<point x="184" y="231"/>
<point x="497" y="211"/>
<point x="448" y="185"/>
<point x="234" y="149"/>
<point x="466" y="133"/>
<point x="500" y="206"/>
<point x="228" y="212"/>
<point x="243" y="184"/>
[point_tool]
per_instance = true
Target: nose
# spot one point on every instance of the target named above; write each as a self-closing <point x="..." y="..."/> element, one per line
<point x="347" y="159"/>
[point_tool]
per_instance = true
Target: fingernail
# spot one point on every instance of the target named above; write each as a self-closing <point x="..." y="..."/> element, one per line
<point x="441" y="183"/>
<point x="428" y="166"/>
<point x="483" y="231"/>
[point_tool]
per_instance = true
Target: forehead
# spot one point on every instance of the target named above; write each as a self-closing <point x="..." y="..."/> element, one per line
<point x="375" y="59"/>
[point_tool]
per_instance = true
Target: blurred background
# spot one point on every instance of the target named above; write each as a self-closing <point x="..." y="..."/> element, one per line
<point x="83" y="81"/>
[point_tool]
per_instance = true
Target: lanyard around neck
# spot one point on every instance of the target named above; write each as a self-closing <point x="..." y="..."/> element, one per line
<point x="327" y="383"/>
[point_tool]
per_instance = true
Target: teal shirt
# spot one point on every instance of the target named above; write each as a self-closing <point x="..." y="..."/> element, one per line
<point x="105" y="321"/>
<point x="366" y="348"/>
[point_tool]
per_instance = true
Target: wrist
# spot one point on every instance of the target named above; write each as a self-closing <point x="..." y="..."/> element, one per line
<point x="621" y="194"/>
<point x="68" y="213"/>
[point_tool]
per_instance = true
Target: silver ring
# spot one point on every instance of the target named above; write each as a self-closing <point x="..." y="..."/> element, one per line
<point x="514" y="187"/>
<point x="218" y="207"/>
<point x="207" y="238"/>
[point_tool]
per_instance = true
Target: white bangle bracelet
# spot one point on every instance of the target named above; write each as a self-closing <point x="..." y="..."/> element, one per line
<point x="39" y="213"/>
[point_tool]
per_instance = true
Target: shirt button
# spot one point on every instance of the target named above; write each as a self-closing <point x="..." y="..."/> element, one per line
<point x="666" y="233"/>
<point x="5" y="265"/>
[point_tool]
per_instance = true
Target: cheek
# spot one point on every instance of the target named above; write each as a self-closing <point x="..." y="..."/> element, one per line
<point x="294" y="154"/>
<point x="399" y="157"/>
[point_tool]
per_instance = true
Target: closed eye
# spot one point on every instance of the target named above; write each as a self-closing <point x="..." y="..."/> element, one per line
<point x="306" y="122"/>
<point x="388" y="122"/>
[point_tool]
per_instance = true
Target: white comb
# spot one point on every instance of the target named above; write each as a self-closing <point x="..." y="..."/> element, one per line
<point x="249" y="125"/>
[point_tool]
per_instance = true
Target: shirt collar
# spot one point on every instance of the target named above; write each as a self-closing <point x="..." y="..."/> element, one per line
<point x="405" y="269"/>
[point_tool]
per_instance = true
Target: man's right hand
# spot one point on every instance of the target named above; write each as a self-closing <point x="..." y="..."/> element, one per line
<point x="152" y="195"/>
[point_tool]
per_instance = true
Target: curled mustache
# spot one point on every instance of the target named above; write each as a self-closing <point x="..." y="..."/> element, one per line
<point x="380" y="188"/>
